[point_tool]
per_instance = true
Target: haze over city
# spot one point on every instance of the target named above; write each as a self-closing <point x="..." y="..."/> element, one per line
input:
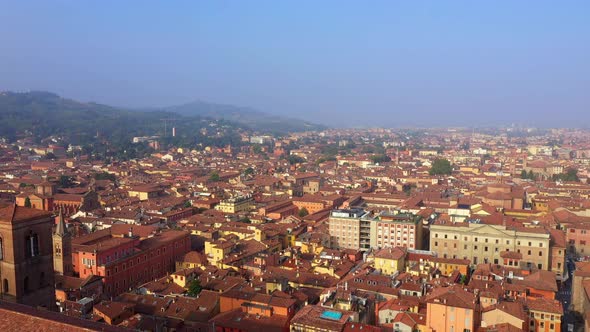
<point x="294" y="166"/>
<point x="338" y="63"/>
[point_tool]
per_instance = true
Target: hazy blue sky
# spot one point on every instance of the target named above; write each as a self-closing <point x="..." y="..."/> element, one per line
<point x="342" y="63"/>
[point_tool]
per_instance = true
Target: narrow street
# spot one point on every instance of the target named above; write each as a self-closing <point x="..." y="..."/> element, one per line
<point x="565" y="296"/>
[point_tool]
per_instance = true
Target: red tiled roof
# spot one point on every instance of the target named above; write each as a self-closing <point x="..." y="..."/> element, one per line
<point x="17" y="317"/>
<point x="15" y="214"/>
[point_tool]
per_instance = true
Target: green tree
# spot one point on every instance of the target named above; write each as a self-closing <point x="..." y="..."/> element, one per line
<point x="214" y="177"/>
<point x="407" y="188"/>
<point x="303" y="212"/>
<point x="105" y="176"/>
<point x="531" y="175"/>
<point x="524" y="175"/>
<point x="380" y="158"/>
<point x="194" y="288"/>
<point x="188" y="204"/>
<point x="249" y="171"/>
<point x="572" y="175"/>
<point x="66" y="181"/>
<point x="294" y="159"/>
<point x="330" y="150"/>
<point x="27" y="202"/>
<point x="441" y="166"/>
<point x="50" y="156"/>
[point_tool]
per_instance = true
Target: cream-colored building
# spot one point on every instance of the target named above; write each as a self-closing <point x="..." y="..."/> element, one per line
<point x="345" y="229"/>
<point x="497" y="244"/>
<point x="389" y="260"/>
<point x="235" y="204"/>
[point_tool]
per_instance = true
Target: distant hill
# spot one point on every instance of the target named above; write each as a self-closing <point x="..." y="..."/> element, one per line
<point x="44" y="114"/>
<point x="248" y="117"/>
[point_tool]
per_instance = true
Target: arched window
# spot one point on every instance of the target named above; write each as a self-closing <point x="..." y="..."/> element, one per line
<point x="1" y="250"/>
<point x="5" y="286"/>
<point x="32" y="245"/>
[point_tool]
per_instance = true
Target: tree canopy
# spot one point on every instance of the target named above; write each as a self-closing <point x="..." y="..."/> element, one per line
<point x="571" y="175"/>
<point x="66" y="181"/>
<point x="214" y="177"/>
<point x="105" y="176"/>
<point x="194" y="288"/>
<point x="303" y="212"/>
<point x="294" y="159"/>
<point x="441" y="166"/>
<point x="380" y="158"/>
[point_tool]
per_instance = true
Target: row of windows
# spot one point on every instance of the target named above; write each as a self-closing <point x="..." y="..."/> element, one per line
<point x="26" y="284"/>
<point x="88" y="261"/>
<point x="581" y="242"/>
<point x="392" y="232"/>
<point x="542" y="325"/>
<point x="129" y="251"/>
<point x="395" y="244"/>
<point x="394" y="237"/>
<point x="124" y="265"/>
<point x="485" y="249"/>
<point x="486" y="240"/>
<point x="31" y="246"/>
<point x="394" y="225"/>
<point x="542" y="315"/>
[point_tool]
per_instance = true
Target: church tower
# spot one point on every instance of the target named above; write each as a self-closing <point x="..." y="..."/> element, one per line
<point x="62" y="248"/>
<point x="26" y="266"/>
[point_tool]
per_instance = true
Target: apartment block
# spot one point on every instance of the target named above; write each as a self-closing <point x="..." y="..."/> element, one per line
<point x="396" y="230"/>
<point x="509" y="246"/>
<point x="348" y="230"/>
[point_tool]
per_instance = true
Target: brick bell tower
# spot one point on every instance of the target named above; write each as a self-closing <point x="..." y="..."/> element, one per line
<point x="26" y="263"/>
<point x="62" y="248"/>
